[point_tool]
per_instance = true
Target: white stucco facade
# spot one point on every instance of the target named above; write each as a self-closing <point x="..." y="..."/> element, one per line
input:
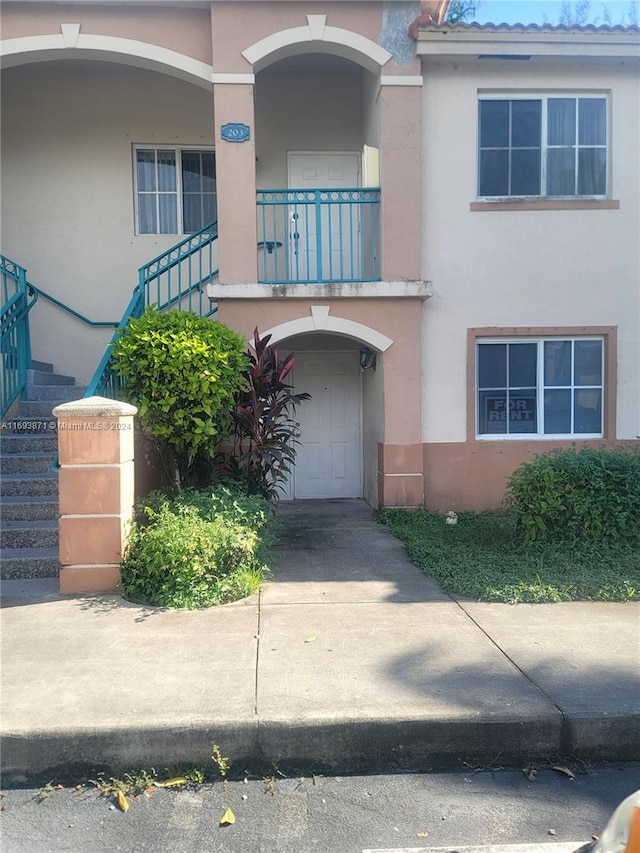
<point x="524" y="268"/>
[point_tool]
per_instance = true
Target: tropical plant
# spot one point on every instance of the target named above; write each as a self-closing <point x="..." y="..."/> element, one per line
<point x="182" y="372"/>
<point x="196" y="548"/>
<point x="264" y="431"/>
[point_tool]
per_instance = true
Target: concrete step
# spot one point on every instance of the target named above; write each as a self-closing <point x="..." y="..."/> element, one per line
<point x="19" y="563"/>
<point x="35" y="409"/>
<point x="29" y="484"/>
<point x="29" y="534"/>
<point x="44" y="366"/>
<point x="55" y="393"/>
<point x="31" y="462"/>
<point x="29" y="508"/>
<point x="27" y="424"/>
<point x="47" y="377"/>
<point x="25" y="442"/>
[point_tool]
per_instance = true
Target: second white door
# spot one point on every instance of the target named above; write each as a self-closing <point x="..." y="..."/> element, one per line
<point x="329" y="456"/>
<point x="339" y="223"/>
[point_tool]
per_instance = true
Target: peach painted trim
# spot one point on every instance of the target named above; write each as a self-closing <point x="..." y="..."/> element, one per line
<point x="610" y="336"/>
<point x="547" y="204"/>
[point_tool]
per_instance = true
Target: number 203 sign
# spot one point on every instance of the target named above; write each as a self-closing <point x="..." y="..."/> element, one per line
<point x="235" y="132"/>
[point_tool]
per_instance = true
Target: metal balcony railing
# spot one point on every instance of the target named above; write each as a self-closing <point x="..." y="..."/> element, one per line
<point x="320" y="235"/>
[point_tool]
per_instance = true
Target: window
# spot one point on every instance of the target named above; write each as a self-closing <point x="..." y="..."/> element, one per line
<point x="544" y="387"/>
<point x="175" y="190"/>
<point x="542" y="146"/>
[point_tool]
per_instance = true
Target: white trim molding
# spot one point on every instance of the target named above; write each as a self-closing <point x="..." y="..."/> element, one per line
<point x="330" y="290"/>
<point x="318" y="37"/>
<point x="321" y="321"/>
<point x="71" y="43"/>
<point x="223" y="77"/>
<point x="400" y="80"/>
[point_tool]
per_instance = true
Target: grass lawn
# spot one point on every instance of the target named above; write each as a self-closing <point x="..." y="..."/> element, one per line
<point x="481" y="557"/>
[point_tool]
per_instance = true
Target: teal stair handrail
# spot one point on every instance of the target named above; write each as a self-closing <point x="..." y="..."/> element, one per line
<point x="18" y="298"/>
<point x="174" y="279"/>
<point x="70" y="310"/>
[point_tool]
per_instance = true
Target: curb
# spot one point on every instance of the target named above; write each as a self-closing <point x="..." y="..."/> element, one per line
<point x="320" y="746"/>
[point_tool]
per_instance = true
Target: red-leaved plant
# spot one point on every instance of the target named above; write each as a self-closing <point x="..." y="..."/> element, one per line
<point x="264" y="431"/>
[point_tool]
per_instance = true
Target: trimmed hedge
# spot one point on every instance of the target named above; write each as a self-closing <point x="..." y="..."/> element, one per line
<point x="578" y="493"/>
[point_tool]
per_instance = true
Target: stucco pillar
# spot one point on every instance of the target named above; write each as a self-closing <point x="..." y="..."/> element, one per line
<point x="400" y="456"/>
<point x="400" y="178"/>
<point x="236" y="185"/>
<point x="96" y="491"/>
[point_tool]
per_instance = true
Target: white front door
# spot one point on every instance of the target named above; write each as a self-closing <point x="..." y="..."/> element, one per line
<point x="338" y="223"/>
<point x="329" y="456"/>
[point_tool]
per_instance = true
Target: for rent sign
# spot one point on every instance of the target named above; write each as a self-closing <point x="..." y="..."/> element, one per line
<point x="520" y="412"/>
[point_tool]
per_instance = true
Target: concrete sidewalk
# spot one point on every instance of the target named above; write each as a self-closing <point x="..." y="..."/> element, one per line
<point x="349" y="660"/>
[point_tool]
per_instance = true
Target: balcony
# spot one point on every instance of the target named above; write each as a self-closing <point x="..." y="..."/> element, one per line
<point x="315" y="236"/>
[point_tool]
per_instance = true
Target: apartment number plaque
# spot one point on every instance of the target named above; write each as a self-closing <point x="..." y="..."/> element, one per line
<point x="235" y="131"/>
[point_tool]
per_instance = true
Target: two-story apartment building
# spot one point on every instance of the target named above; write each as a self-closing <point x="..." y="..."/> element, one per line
<point x="441" y="221"/>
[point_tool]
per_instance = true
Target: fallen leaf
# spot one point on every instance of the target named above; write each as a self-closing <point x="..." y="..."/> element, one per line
<point x="122" y="801"/>
<point x="310" y="638"/>
<point x="562" y="769"/>
<point x="227" y="818"/>
<point x="176" y="782"/>
<point x="422" y="834"/>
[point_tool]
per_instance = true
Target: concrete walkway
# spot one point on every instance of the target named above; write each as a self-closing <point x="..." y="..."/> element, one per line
<point x="350" y="659"/>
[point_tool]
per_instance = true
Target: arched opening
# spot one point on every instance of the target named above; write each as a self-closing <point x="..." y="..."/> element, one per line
<point x="74" y="45"/>
<point x="77" y="135"/>
<point x="343" y="423"/>
<point x="317" y="37"/>
<point x="317" y="141"/>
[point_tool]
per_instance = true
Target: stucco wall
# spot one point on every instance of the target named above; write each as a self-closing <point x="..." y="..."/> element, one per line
<point x="181" y="29"/>
<point x="67" y="189"/>
<point x="313" y="111"/>
<point x="536" y="268"/>
<point x="373" y="426"/>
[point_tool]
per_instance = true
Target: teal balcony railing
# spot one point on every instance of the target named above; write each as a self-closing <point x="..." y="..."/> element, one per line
<point x="174" y="279"/>
<point x="310" y="236"/>
<point x="17" y="300"/>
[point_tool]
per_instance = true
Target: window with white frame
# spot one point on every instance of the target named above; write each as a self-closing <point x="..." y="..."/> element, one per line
<point x="552" y="146"/>
<point x="175" y="189"/>
<point x="543" y="387"/>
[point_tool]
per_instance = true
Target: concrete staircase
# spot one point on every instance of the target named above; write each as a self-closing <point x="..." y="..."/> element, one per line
<point x="29" y="501"/>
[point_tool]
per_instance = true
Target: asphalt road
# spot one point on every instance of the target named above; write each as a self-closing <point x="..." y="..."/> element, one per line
<point x="324" y="814"/>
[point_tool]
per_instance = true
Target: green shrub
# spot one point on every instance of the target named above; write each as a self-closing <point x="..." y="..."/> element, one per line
<point x="196" y="548"/>
<point x="578" y="493"/>
<point x="182" y="372"/>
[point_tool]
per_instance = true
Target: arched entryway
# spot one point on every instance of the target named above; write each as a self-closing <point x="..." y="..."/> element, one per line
<point x="340" y="362"/>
